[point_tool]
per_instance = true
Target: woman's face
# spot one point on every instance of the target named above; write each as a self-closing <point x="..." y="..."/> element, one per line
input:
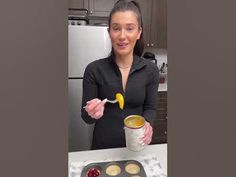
<point x="124" y="31"/>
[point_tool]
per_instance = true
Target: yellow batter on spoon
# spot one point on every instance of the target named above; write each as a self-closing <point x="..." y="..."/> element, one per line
<point x="120" y="99"/>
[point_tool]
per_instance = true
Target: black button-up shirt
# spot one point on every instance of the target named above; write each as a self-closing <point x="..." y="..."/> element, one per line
<point x="102" y="79"/>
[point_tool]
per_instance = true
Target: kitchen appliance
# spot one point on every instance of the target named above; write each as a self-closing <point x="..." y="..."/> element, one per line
<point x="150" y="56"/>
<point x="85" y="44"/>
<point x="78" y="16"/>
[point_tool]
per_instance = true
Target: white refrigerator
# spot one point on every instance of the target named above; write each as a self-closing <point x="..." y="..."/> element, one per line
<point x="85" y="44"/>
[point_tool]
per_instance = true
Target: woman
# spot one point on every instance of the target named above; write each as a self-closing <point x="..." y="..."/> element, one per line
<point x="124" y="71"/>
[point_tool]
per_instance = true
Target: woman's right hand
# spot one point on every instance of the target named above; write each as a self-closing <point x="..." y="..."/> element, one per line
<point x="95" y="108"/>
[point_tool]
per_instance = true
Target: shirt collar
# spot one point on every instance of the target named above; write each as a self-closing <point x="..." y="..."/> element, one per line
<point x="137" y="64"/>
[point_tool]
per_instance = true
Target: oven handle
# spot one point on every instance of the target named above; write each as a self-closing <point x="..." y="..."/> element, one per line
<point x="78" y="9"/>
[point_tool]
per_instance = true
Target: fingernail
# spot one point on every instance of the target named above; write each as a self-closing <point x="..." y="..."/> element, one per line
<point x="98" y="101"/>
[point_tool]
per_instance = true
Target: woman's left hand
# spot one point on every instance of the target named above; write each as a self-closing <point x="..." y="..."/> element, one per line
<point x="147" y="138"/>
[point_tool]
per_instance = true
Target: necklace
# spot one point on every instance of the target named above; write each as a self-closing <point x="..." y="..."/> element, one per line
<point x="123" y="67"/>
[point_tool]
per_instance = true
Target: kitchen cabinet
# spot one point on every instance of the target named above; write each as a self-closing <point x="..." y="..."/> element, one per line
<point x="78" y="4"/>
<point x="158" y="29"/>
<point x="98" y="8"/>
<point x="160" y="124"/>
<point x="154" y="14"/>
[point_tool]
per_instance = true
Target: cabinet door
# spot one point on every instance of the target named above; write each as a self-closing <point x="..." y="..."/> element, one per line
<point x="158" y="29"/>
<point x="145" y="7"/>
<point x="159" y="132"/>
<point x="79" y="4"/>
<point x="160" y="123"/>
<point x="101" y="7"/>
<point x="162" y="106"/>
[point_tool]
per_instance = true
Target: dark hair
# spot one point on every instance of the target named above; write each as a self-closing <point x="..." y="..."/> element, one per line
<point x="126" y="5"/>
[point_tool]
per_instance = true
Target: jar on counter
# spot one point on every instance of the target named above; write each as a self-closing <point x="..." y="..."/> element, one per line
<point x="163" y="73"/>
<point x="134" y="131"/>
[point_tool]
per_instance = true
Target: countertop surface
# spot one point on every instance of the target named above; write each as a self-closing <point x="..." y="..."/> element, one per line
<point x="162" y="87"/>
<point x="156" y="152"/>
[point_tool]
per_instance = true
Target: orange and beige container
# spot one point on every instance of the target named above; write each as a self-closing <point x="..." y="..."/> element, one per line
<point x="134" y="131"/>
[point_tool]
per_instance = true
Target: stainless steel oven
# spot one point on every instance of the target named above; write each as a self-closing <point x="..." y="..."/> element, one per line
<point x="78" y="16"/>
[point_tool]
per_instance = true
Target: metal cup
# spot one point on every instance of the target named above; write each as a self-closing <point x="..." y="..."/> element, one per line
<point x="134" y="131"/>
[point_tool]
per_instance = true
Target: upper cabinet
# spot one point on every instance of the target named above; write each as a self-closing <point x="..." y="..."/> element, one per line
<point x="78" y="4"/>
<point x="158" y="29"/>
<point x="98" y="8"/>
<point x="154" y="13"/>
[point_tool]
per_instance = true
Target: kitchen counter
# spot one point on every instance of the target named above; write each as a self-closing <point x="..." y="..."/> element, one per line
<point x="160" y="54"/>
<point x="81" y="157"/>
<point x="162" y="87"/>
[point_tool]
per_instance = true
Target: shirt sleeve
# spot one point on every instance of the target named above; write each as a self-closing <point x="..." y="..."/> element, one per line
<point x="150" y="103"/>
<point x="90" y="91"/>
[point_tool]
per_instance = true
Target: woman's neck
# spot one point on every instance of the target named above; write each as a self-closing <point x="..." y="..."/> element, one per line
<point x="124" y="62"/>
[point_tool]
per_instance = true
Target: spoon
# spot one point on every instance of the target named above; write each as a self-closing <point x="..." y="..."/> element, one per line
<point x="119" y="99"/>
<point x="111" y="101"/>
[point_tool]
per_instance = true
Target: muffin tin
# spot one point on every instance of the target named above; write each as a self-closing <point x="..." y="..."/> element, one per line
<point x="124" y="168"/>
